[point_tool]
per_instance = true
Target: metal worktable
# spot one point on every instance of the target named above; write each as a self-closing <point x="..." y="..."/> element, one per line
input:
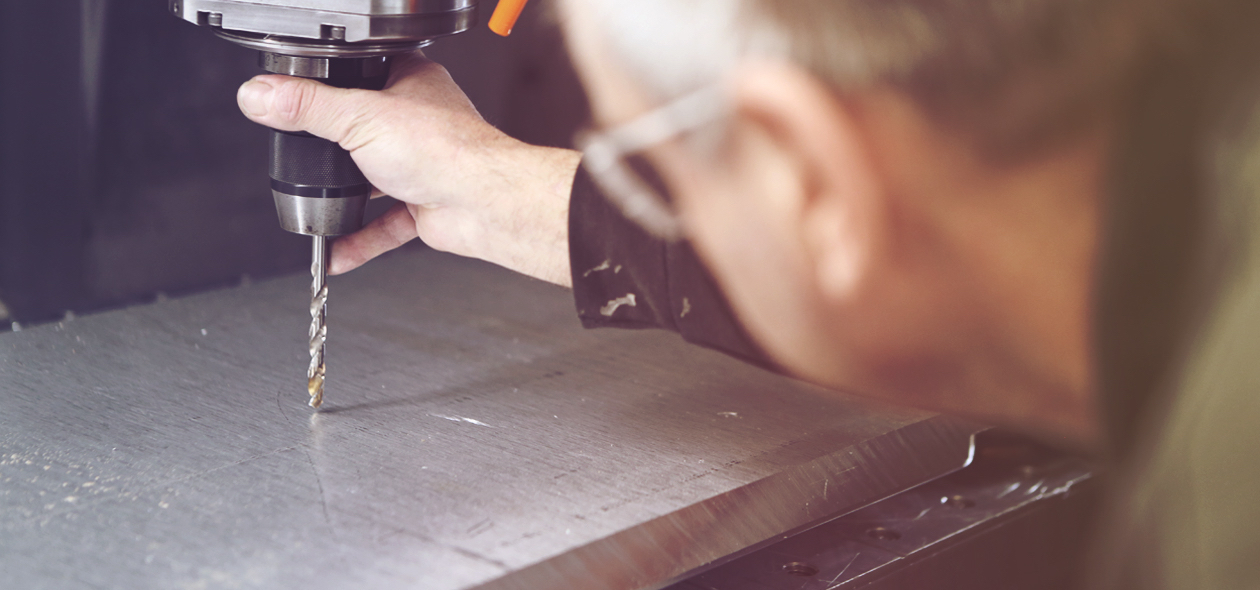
<point x="473" y="436"/>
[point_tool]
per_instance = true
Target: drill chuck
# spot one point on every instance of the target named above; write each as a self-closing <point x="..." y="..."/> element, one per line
<point x="318" y="189"/>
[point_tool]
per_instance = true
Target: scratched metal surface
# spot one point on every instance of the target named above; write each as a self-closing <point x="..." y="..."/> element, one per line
<point x="474" y="436"/>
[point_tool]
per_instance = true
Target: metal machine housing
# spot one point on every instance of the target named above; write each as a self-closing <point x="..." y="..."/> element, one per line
<point x="349" y="21"/>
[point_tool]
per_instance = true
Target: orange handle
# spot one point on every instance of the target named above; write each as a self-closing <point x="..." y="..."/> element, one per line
<point x="505" y="15"/>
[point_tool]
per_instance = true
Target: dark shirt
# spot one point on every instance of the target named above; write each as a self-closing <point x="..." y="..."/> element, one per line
<point x="625" y="278"/>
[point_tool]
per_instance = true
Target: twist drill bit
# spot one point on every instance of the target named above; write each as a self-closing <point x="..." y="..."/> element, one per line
<point x="319" y="325"/>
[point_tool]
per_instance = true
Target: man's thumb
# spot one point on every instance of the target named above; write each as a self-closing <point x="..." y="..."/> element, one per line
<point x="296" y="104"/>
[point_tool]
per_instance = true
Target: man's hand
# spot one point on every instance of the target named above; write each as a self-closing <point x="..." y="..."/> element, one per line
<point x="465" y="187"/>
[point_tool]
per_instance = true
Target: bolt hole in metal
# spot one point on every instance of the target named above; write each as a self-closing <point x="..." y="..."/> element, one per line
<point x="957" y="501"/>
<point x="880" y="533"/>
<point x="332" y="32"/>
<point x="803" y="570"/>
<point x="207" y="19"/>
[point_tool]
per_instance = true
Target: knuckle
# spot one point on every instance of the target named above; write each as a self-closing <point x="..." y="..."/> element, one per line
<point x="356" y="254"/>
<point x="293" y="101"/>
<point x="401" y="228"/>
<point x="358" y="127"/>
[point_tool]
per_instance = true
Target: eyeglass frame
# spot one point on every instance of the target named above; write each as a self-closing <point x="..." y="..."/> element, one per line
<point x="604" y="154"/>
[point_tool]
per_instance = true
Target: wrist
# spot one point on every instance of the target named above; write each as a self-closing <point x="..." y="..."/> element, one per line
<point x="524" y="223"/>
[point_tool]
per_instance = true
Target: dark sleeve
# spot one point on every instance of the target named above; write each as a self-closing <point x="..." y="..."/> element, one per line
<point x="625" y="278"/>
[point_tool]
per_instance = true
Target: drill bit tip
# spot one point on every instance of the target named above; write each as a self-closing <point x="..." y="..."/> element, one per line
<point x="315" y="387"/>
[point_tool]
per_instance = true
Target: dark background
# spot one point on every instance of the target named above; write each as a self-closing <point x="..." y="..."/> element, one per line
<point x="126" y="169"/>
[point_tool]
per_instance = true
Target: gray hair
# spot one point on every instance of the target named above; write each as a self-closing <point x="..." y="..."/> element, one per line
<point x="676" y="46"/>
<point x="1011" y="74"/>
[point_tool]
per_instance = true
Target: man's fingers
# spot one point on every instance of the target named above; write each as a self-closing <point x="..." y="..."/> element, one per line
<point x="296" y="104"/>
<point x="391" y="230"/>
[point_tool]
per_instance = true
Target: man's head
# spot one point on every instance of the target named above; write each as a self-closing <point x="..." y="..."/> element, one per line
<point x="905" y="199"/>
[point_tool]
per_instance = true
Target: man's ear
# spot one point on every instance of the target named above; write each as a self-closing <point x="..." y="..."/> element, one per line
<point x="838" y="210"/>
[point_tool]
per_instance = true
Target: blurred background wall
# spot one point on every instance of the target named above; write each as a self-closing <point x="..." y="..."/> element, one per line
<point x="126" y="169"/>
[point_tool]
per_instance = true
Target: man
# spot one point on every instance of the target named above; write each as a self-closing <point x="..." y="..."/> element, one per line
<point x="900" y="198"/>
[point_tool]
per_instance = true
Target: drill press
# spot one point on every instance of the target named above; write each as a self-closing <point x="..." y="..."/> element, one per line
<point x="318" y="189"/>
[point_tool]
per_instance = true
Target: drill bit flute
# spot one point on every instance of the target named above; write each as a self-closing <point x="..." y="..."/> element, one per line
<point x="319" y="324"/>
